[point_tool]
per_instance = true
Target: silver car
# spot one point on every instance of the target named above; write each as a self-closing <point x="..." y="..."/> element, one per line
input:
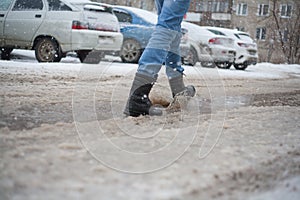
<point x="52" y="28"/>
<point x="246" y="48"/>
<point x="208" y="48"/>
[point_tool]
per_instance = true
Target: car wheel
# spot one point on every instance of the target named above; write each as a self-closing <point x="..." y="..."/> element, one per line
<point x="5" y="53"/>
<point x="131" y="51"/>
<point x="208" y="64"/>
<point x="47" y="50"/>
<point x="192" y="58"/>
<point x="240" y="66"/>
<point x="224" y="65"/>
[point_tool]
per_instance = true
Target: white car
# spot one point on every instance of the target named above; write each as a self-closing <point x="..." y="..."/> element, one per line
<point x="210" y="49"/>
<point x="52" y="28"/>
<point x="246" y="48"/>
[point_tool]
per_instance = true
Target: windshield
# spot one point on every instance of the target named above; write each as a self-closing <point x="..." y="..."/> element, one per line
<point x="57" y="5"/>
<point x="93" y="7"/>
<point x="97" y="8"/>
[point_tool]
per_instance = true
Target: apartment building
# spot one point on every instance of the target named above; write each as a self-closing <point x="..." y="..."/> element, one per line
<point x="274" y="24"/>
<point x="212" y="13"/>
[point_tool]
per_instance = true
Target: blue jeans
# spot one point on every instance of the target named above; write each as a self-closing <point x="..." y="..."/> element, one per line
<point x="163" y="47"/>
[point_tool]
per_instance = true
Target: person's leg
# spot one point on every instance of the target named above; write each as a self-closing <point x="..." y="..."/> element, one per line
<point x="176" y="78"/>
<point x="139" y="102"/>
<point x="167" y="31"/>
<point x="173" y="59"/>
<point x="155" y="55"/>
<point x="172" y="14"/>
<point x="174" y="69"/>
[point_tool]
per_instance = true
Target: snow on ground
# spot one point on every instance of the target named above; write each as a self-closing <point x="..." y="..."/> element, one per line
<point x="257" y="155"/>
<point x="25" y="60"/>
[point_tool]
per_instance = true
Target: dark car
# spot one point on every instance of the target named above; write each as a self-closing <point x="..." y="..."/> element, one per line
<point x="137" y="25"/>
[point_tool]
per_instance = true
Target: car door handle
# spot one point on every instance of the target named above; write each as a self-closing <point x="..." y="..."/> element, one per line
<point x="38" y="16"/>
<point x="2" y="15"/>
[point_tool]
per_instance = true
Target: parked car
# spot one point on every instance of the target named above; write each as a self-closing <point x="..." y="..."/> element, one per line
<point x="137" y="25"/>
<point x="208" y="48"/>
<point x="51" y="28"/>
<point x="246" y="48"/>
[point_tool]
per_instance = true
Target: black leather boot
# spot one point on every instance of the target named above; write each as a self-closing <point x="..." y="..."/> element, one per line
<point x="139" y="102"/>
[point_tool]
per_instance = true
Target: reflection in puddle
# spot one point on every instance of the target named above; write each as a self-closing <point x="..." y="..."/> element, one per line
<point x="222" y="103"/>
<point x="237" y="101"/>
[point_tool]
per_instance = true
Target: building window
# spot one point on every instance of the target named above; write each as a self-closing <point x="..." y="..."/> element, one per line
<point x="201" y="7"/>
<point x="218" y="6"/>
<point x="242" y="9"/>
<point x="223" y="7"/>
<point x="261" y="33"/>
<point x="286" y="10"/>
<point x="263" y="10"/>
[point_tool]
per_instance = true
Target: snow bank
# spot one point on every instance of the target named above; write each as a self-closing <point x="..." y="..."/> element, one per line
<point x="24" y="61"/>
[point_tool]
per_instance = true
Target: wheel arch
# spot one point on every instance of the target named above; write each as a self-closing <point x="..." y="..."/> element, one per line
<point x="139" y="53"/>
<point x="45" y="36"/>
<point x="143" y="46"/>
<point x="197" y="50"/>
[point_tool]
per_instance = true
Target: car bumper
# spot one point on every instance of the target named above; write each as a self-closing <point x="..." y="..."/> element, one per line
<point x="96" y="40"/>
<point x="248" y="59"/>
<point x="223" y="54"/>
<point x="223" y="58"/>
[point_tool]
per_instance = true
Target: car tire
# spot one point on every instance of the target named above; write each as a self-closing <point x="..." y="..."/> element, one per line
<point x="131" y="51"/>
<point x="240" y="66"/>
<point x="223" y="65"/>
<point x="192" y="57"/>
<point x="47" y="50"/>
<point x="208" y="64"/>
<point x="5" y="53"/>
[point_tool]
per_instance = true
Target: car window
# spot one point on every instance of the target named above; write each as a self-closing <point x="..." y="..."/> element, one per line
<point x="123" y="16"/>
<point x="97" y="8"/>
<point x="24" y="5"/>
<point x="245" y="37"/>
<point x="216" y="32"/>
<point x="4" y="4"/>
<point x="237" y="36"/>
<point x="57" y="5"/>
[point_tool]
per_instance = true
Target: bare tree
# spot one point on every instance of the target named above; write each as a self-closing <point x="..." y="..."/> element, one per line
<point x="285" y="23"/>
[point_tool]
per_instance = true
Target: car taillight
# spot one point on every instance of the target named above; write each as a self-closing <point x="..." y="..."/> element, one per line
<point x="79" y="25"/>
<point x="103" y="27"/>
<point x="243" y="45"/>
<point x="214" y="41"/>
